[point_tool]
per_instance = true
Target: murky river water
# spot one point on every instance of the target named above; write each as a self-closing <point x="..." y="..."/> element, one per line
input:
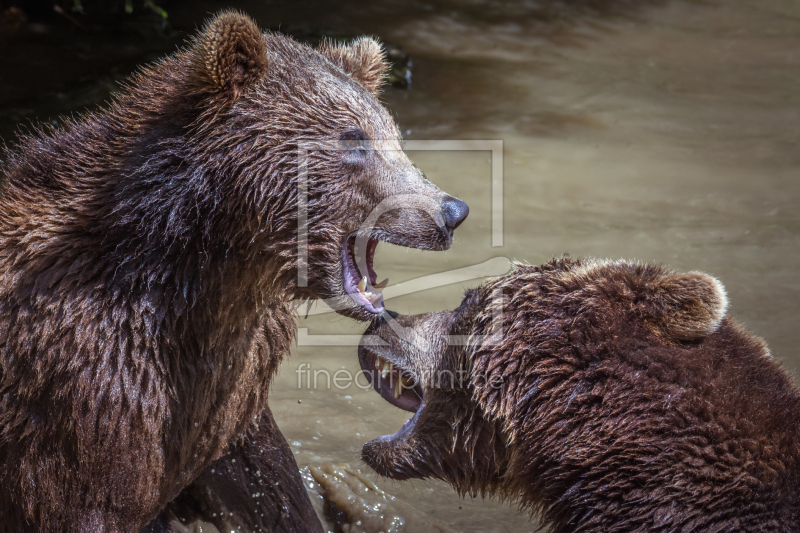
<point x="660" y="131"/>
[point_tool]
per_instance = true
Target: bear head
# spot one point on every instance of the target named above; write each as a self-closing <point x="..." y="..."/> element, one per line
<point x="283" y="157"/>
<point x="479" y="378"/>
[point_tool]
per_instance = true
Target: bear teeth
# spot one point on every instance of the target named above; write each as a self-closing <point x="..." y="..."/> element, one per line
<point x="371" y="297"/>
<point x="384" y="366"/>
<point x="402" y="383"/>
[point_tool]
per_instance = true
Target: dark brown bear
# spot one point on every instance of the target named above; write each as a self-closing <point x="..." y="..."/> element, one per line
<point x="603" y="396"/>
<point x="150" y="254"/>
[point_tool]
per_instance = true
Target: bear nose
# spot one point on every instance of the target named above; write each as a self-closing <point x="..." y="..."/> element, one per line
<point x="455" y="211"/>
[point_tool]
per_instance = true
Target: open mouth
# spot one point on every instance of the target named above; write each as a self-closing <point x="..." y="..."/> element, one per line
<point x="395" y="384"/>
<point x="358" y="275"/>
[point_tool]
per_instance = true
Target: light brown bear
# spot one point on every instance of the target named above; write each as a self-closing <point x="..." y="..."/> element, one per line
<point x="602" y="396"/>
<point x="150" y="255"/>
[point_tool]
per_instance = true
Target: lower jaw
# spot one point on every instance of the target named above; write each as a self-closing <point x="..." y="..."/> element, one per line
<point x="391" y="456"/>
<point x="404" y="431"/>
<point x="358" y="276"/>
<point x="376" y="308"/>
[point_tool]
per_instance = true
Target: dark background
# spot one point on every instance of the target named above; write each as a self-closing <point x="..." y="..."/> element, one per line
<point x="60" y="57"/>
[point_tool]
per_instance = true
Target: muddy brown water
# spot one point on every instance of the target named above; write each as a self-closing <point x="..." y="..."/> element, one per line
<point x="659" y="131"/>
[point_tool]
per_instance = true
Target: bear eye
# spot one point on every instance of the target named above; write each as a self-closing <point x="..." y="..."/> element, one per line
<point x="354" y="135"/>
<point x="353" y="142"/>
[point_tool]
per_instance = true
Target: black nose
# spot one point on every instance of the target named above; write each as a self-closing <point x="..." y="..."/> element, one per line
<point x="455" y="211"/>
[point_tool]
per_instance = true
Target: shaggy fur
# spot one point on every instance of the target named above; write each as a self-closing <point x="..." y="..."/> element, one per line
<point x="605" y="396"/>
<point x="148" y="261"/>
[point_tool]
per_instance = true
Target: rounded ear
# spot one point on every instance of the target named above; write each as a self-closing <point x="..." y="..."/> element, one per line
<point x="691" y="306"/>
<point x="229" y="55"/>
<point x="363" y="60"/>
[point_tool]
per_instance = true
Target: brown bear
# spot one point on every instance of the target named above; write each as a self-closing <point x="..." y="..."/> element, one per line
<point x="150" y="257"/>
<point x="603" y="396"/>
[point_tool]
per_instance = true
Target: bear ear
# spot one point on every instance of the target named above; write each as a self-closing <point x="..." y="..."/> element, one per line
<point x="692" y="305"/>
<point x="363" y="60"/>
<point x="229" y="55"/>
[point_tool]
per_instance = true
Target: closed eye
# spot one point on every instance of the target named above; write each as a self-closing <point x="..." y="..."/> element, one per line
<point x="354" y="143"/>
<point x="354" y="135"/>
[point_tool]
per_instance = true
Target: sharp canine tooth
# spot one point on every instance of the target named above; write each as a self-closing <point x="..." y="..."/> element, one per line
<point x="362" y="285"/>
<point x="386" y="369"/>
<point x="398" y="388"/>
<point x="378" y="362"/>
<point x="382" y="284"/>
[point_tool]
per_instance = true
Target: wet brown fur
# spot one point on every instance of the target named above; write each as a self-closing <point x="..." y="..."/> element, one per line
<point x="148" y="264"/>
<point x="616" y="397"/>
